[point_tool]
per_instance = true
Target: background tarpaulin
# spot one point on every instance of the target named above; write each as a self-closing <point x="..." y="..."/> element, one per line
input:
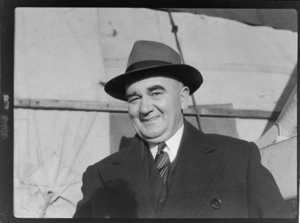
<point x="63" y="54"/>
<point x="276" y="18"/>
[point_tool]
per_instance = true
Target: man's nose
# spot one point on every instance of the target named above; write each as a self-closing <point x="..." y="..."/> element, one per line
<point x="146" y="105"/>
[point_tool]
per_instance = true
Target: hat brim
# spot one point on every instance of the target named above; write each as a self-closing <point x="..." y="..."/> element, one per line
<point x="188" y="75"/>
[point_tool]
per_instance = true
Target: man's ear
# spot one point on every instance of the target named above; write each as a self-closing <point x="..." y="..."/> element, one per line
<point x="184" y="97"/>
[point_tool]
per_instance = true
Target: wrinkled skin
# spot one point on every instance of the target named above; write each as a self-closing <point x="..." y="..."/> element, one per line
<point x="155" y="107"/>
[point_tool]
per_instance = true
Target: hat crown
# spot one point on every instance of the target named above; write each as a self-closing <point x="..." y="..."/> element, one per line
<point x="149" y="53"/>
<point x="149" y="58"/>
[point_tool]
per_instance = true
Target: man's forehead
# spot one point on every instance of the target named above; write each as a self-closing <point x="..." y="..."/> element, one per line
<point x="152" y="80"/>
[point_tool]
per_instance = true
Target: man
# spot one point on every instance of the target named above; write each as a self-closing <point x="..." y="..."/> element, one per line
<point x="171" y="169"/>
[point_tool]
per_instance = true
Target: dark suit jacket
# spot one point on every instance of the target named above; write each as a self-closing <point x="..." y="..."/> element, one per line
<point x="215" y="177"/>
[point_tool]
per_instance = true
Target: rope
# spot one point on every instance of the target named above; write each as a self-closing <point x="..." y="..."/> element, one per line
<point x="46" y="204"/>
<point x="175" y="30"/>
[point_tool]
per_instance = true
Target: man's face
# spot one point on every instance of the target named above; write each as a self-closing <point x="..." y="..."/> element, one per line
<point x="154" y="107"/>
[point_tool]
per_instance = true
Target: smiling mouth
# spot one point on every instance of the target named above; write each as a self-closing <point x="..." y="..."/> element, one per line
<point x="149" y="119"/>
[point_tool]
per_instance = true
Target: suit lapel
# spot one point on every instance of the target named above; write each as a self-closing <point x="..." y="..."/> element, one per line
<point x="125" y="179"/>
<point x="197" y="168"/>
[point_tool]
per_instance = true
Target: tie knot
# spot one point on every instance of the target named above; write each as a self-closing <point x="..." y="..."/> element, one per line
<point x="161" y="146"/>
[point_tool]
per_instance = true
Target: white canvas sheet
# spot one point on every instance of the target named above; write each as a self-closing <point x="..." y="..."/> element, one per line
<point x="51" y="151"/>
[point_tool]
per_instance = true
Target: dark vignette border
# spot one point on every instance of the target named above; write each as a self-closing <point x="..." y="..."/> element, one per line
<point x="7" y="9"/>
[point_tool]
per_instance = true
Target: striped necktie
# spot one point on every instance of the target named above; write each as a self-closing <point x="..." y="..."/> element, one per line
<point x="162" y="161"/>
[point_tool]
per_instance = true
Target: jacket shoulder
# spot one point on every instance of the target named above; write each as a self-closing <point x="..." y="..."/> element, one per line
<point x="223" y="138"/>
<point x="229" y="143"/>
<point x="216" y="141"/>
<point x="109" y="159"/>
<point x="115" y="157"/>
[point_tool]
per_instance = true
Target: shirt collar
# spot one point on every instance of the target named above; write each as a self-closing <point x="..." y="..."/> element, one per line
<point x="172" y="145"/>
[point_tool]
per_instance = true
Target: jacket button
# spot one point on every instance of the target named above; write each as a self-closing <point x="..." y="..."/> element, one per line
<point x="216" y="203"/>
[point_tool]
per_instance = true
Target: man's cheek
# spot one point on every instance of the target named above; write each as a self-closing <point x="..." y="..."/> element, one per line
<point x="132" y="113"/>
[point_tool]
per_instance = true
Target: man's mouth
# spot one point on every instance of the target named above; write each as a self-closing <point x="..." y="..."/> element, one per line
<point x="150" y="119"/>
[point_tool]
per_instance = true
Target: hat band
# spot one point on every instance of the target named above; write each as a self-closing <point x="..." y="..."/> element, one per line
<point x="146" y="64"/>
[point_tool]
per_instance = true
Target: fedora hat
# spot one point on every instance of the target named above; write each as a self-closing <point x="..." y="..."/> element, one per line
<point x="152" y="58"/>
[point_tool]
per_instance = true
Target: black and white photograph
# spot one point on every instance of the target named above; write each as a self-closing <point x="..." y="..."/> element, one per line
<point x="154" y="113"/>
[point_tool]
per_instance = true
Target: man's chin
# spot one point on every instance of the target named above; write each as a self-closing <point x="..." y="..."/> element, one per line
<point x="154" y="138"/>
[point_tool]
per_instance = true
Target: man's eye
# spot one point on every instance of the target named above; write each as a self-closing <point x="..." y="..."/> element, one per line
<point x="156" y="93"/>
<point x="133" y="99"/>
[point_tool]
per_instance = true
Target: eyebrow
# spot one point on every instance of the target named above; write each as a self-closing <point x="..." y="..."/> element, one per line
<point x="149" y="89"/>
<point x="156" y="87"/>
<point x="127" y="96"/>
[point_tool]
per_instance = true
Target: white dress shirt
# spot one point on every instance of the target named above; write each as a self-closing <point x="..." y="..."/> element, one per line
<point x="172" y="145"/>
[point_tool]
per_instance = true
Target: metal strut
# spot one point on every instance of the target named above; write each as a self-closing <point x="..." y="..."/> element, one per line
<point x="175" y="30"/>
